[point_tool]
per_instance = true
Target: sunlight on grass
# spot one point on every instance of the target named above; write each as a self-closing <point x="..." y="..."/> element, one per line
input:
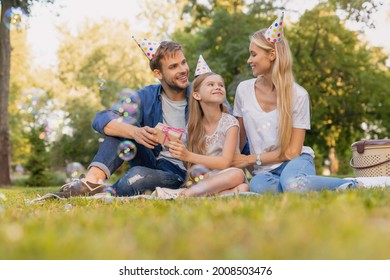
<point x="353" y="224"/>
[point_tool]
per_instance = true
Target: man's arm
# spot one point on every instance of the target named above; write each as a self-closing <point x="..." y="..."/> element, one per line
<point x="142" y="135"/>
<point x="105" y="122"/>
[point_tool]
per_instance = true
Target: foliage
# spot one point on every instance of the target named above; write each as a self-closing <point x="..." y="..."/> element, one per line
<point x="87" y="57"/>
<point x="341" y="74"/>
<point x="357" y="10"/>
<point x="38" y="159"/>
<point x="20" y="57"/>
<point x="82" y="143"/>
<point x="322" y="225"/>
<point x="162" y="19"/>
<point x="5" y="66"/>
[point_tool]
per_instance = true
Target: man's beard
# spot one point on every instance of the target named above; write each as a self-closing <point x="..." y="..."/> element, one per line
<point x="175" y="87"/>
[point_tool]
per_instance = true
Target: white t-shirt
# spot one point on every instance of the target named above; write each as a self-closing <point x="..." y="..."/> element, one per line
<point x="262" y="127"/>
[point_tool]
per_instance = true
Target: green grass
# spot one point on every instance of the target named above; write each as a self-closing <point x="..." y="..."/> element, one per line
<point x="353" y="224"/>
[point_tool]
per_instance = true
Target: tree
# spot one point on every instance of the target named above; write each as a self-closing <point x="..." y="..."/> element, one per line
<point x="5" y="65"/>
<point x="20" y="79"/>
<point x="341" y="74"/>
<point x="38" y="161"/>
<point x="163" y="17"/>
<point x="88" y="57"/>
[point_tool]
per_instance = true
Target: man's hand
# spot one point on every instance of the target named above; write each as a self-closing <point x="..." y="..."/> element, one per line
<point x="146" y="136"/>
<point x="240" y="161"/>
<point x="178" y="150"/>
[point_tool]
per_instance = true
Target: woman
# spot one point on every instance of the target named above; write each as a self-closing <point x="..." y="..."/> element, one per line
<point x="274" y="114"/>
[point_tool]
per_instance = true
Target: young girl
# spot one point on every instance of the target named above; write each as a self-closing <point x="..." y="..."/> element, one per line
<point x="274" y="114"/>
<point x="212" y="139"/>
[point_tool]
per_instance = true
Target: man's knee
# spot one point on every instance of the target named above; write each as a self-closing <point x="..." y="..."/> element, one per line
<point x="132" y="182"/>
<point x="135" y="174"/>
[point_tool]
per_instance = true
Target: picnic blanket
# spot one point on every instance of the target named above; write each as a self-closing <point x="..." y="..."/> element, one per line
<point x="170" y="194"/>
<point x="159" y="193"/>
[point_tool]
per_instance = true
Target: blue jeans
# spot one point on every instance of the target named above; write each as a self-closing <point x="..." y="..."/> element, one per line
<point x="296" y="175"/>
<point x="146" y="172"/>
<point x="140" y="178"/>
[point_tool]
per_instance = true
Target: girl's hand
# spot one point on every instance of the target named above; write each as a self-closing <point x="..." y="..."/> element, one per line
<point x="178" y="150"/>
<point x="240" y="161"/>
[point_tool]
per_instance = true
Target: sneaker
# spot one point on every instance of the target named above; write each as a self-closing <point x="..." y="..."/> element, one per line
<point x="80" y="187"/>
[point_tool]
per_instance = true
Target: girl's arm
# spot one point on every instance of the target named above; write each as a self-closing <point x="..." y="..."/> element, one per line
<point x="293" y="150"/>
<point x="178" y="150"/>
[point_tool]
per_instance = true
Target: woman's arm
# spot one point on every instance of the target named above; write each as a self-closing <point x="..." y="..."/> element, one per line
<point x="294" y="149"/>
<point x="178" y="150"/>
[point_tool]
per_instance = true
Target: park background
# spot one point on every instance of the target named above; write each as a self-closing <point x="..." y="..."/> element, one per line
<point x="81" y="58"/>
<point x="66" y="68"/>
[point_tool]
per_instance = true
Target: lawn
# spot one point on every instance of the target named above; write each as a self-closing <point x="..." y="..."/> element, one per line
<point x="352" y="224"/>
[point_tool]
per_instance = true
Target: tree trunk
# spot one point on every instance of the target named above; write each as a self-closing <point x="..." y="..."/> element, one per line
<point x="5" y="65"/>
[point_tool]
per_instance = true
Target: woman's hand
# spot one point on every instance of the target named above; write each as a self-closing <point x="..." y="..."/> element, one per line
<point x="178" y="150"/>
<point x="240" y="161"/>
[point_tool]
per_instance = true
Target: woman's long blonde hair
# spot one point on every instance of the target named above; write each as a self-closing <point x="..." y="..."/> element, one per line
<point x="283" y="80"/>
<point x="195" y="128"/>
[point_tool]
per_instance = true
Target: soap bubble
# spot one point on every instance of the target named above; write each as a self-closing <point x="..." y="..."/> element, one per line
<point x="127" y="150"/>
<point x="124" y="93"/>
<point x="109" y="191"/>
<point x="196" y="173"/>
<point x="128" y="108"/>
<point x="74" y="169"/>
<point x="102" y="84"/>
<point x="33" y="100"/>
<point x="15" y="19"/>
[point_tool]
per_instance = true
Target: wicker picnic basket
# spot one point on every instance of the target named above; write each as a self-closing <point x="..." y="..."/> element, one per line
<point x="371" y="158"/>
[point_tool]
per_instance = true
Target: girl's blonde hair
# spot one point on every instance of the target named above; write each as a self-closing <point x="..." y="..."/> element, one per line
<point x="283" y="80"/>
<point x="195" y="128"/>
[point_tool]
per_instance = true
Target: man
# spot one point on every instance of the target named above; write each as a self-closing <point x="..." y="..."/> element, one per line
<point x="165" y="103"/>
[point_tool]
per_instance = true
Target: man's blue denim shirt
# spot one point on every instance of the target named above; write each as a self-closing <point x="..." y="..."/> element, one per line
<point x="150" y="111"/>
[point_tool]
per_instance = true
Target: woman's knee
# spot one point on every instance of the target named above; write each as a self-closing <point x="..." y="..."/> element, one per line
<point x="264" y="183"/>
<point x="297" y="185"/>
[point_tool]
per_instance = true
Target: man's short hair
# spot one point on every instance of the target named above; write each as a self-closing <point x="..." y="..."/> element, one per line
<point x="166" y="49"/>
